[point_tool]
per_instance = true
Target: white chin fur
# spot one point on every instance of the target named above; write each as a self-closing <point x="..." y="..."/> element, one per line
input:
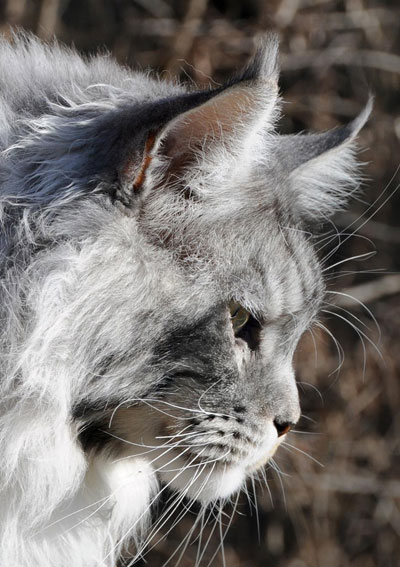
<point x="203" y="484"/>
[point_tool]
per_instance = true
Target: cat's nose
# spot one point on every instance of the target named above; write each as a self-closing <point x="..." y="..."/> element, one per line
<point x="282" y="427"/>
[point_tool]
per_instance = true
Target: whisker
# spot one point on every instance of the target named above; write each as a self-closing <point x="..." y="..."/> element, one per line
<point x="256" y="509"/>
<point x="201" y="463"/>
<point x="308" y="418"/>
<point x="125" y="535"/>
<point x="274" y="465"/>
<point x="339" y="348"/>
<point x="333" y="306"/>
<point x="344" y="273"/>
<point x="368" y="218"/>
<point x="203" y="394"/>
<point x="359" y="332"/>
<point x="288" y="446"/>
<point x="223" y="535"/>
<point x="313" y="387"/>
<point x="200" y="536"/>
<point x="264" y="475"/>
<point x="181" y="515"/>
<point x="315" y="346"/>
<point x="207" y="542"/>
<point x="180" y="498"/>
<point x="151" y="447"/>
<point x="343" y="294"/>
<point x="202" y="516"/>
<point x="106" y="498"/>
<point x="198" y="518"/>
<point x="373" y="204"/>
<point x="364" y="256"/>
<point x="249" y="500"/>
<point x="305" y="432"/>
<point x="279" y="473"/>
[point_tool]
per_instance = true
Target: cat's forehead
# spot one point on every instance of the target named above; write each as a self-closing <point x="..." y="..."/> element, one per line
<point x="251" y="253"/>
<point x="282" y="279"/>
<point x="270" y="269"/>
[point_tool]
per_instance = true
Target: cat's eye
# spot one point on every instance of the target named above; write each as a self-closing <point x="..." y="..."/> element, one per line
<point x="239" y="316"/>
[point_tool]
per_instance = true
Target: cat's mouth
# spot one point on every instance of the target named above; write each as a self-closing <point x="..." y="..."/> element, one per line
<point x="262" y="461"/>
<point x="206" y="480"/>
<point x="207" y="459"/>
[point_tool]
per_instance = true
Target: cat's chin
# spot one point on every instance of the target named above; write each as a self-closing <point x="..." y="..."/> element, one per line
<point x="205" y="484"/>
<point x="209" y="482"/>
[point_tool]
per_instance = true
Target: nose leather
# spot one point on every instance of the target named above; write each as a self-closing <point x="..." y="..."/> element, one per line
<point x="282" y="427"/>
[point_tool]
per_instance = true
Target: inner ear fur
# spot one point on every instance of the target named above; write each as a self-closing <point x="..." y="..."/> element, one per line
<point x="219" y="121"/>
<point x="224" y="122"/>
<point x="203" y="122"/>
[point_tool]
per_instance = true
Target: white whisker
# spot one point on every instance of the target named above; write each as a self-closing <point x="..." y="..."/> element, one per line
<point x="288" y="446"/>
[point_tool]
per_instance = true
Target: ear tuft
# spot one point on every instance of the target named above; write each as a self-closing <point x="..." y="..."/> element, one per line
<point x="265" y="61"/>
<point x="299" y="149"/>
<point x="322" y="169"/>
<point x="326" y="183"/>
<point x="362" y="118"/>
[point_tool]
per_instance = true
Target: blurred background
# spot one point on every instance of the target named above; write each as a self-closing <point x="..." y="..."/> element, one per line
<point x="346" y="510"/>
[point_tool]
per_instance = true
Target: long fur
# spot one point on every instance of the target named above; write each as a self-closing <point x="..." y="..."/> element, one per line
<point x="109" y="297"/>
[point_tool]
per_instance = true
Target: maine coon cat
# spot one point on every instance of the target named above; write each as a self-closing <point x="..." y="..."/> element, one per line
<point x="157" y="272"/>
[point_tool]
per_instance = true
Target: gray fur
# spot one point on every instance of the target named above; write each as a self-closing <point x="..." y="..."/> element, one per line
<point x="114" y="296"/>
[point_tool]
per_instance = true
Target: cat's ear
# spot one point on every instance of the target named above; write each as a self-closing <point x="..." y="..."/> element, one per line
<point x="219" y="120"/>
<point x="243" y="106"/>
<point x="322" y="169"/>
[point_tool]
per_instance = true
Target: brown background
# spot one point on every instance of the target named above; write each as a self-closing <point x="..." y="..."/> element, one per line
<point x="333" y="52"/>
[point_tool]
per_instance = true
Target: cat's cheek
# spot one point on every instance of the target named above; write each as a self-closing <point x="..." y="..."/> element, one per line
<point x="241" y="352"/>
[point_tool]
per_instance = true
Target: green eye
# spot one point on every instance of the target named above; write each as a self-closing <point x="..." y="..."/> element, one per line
<point x="239" y="316"/>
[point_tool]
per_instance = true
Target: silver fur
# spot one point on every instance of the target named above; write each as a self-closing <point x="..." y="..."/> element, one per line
<point x="120" y="373"/>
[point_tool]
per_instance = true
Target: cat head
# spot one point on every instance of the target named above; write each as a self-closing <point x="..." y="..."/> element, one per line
<point x="173" y="270"/>
<point x="219" y="278"/>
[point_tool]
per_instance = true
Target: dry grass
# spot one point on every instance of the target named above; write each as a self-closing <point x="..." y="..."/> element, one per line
<point x="333" y="52"/>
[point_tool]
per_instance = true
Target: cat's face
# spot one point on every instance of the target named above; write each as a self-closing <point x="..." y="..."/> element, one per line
<point x="194" y="283"/>
<point x="223" y="328"/>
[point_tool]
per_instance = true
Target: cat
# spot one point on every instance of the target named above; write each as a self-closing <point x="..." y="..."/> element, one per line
<point x="157" y="272"/>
